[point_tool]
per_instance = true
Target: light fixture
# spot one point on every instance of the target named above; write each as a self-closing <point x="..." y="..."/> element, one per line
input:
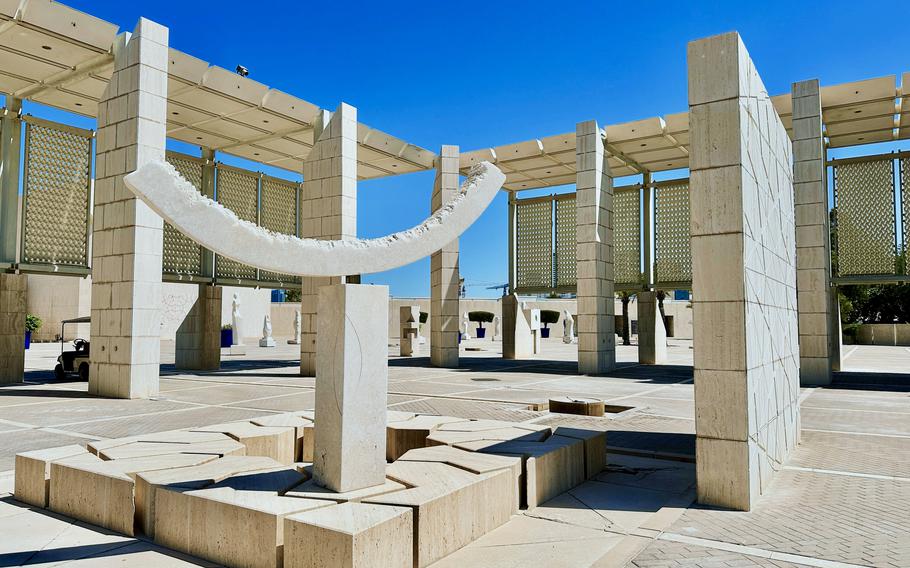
<point x="242" y="71"/>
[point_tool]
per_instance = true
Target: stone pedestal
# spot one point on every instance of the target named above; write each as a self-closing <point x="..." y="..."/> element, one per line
<point x="351" y="386"/>
<point x="408" y="325"/>
<point x="519" y="339"/>
<point x="744" y="277"/>
<point x="13" y="288"/>
<point x="199" y="336"/>
<point x="652" y="337"/>
<point x="444" y="274"/>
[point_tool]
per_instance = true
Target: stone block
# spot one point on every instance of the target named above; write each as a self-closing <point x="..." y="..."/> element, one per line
<point x="595" y="447"/>
<point x="311" y="490"/>
<point x="412" y="433"/>
<point x="223" y="447"/>
<point x="171" y="436"/>
<point x="33" y="472"/>
<point x="269" y="441"/>
<point x="576" y="405"/>
<point x="350" y="535"/>
<point x="102" y="492"/>
<point x="300" y="425"/>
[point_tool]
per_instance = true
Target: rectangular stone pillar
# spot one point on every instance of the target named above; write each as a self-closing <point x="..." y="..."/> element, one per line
<point x="13" y="301"/>
<point x="10" y="155"/>
<point x="818" y="331"/>
<point x="594" y="251"/>
<point x="328" y="208"/>
<point x="352" y="375"/>
<point x="652" y="337"/>
<point x="127" y="235"/>
<point x="444" y="275"/>
<point x="199" y="336"/>
<point x="408" y="329"/>
<point x="744" y="277"/>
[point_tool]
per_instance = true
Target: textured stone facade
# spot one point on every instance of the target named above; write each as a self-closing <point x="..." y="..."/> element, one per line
<point x="594" y="252"/>
<point x="199" y="335"/>
<point x="652" y="336"/>
<point x="127" y="234"/>
<point x="744" y="276"/>
<point x="328" y="208"/>
<point x="819" y="331"/>
<point x="444" y="275"/>
<point x="13" y="293"/>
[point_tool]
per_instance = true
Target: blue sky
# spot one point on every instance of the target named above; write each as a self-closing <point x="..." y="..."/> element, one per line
<point x="479" y="74"/>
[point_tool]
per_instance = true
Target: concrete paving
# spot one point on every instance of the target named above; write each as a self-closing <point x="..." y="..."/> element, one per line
<point x="841" y="500"/>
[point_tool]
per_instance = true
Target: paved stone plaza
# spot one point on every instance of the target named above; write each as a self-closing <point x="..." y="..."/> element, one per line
<point x="843" y="497"/>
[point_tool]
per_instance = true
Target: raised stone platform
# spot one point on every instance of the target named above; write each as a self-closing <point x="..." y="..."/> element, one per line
<point x="242" y="493"/>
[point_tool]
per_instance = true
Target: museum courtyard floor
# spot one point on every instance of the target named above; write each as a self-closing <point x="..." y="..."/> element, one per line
<point x="843" y="498"/>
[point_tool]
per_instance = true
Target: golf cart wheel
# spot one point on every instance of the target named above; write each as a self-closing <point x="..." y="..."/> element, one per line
<point x="59" y="373"/>
<point x="83" y="371"/>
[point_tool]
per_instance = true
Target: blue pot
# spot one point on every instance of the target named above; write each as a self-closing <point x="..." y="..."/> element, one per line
<point x="227" y="337"/>
<point x="481" y="333"/>
<point x="28" y="339"/>
<point x="545" y="332"/>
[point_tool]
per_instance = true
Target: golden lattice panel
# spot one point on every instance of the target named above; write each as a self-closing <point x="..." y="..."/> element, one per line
<point x="672" y="253"/>
<point x="865" y="218"/>
<point x="238" y="191"/>
<point x="627" y="236"/>
<point x="56" y="184"/>
<point x="566" y="245"/>
<point x="534" y="245"/>
<point x="278" y="213"/>
<point x="181" y="255"/>
<point x="905" y="208"/>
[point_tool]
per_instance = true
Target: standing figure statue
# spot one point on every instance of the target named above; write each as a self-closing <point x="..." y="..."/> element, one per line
<point x="497" y="327"/>
<point x="568" y="328"/>
<point x="236" y="320"/>
<point x="464" y="327"/>
<point x="267" y="339"/>
<point x="297" y="324"/>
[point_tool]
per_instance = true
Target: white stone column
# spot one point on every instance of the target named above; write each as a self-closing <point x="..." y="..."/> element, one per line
<point x="127" y="235"/>
<point x="199" y="336"/>
<point x="444" y="275"/>
<point x="818" y="332"/>
<point x="594" y="252"/>
<point x="652" y="337"/>
<point x="744" y="277"/>
<point x="352" y="375"/>
<point x="328" y="208"/>
<point x="13" y="302"/>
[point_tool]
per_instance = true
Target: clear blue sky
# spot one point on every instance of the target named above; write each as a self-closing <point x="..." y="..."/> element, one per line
<point x="479" y="74"/>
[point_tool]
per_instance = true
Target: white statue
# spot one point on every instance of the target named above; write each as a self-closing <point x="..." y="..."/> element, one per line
<point x="464" y="327"/>
<point x="568" y="328"/>
<point x="296" y="340"/>
<point x="236" y="320"/>
<point x="497" y="325"/>
<point x="267" y="340"/>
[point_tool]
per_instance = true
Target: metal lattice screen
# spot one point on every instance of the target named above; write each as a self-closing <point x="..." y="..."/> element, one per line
<point x="905" y="208"/>
<point x="672" y="253"/>
<point x="56" y="189"/>
<point x="238" y="190"/>
<point x="866" y="228"/>
<point x="278" y="213"/>
<point x="627" y="236"/>
<point x="534" y="245"/>
<point x="566" y="246"/>
<point x="182" y="256"/>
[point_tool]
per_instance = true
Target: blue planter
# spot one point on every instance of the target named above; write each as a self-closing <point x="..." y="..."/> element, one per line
<point x="481" y="333"/>
<point x="227" y="337"/>
<point x="28" y="339"/>
<point x="545" y="332"/>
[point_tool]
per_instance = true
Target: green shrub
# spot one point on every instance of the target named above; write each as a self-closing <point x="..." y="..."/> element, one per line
<point x="33" y="323"/>
<point x="227" y="326"/>
<point x="423" y="317"/>
<point x="548" y="316"/>
<point x="480" y="317"/>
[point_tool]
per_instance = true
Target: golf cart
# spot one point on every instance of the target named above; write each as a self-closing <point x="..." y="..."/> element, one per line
<point x="70" y="362"/>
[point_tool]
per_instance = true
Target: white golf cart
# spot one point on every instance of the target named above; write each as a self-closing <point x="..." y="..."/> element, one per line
<point x="70" y="362"/>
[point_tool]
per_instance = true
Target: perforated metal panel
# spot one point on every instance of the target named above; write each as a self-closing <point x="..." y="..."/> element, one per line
<point x="865" y="217"/>
<point x="627" y="236"/>
<point x="534" y="245"/>
<point x="56" y="187"/>
<point x="238" y="190"/>
<point x="566" y="249"/>
<point x="672" y="253"/>
<point x="181" y="254"/>
<point x="278" y="213"/>
<point x="905" y="208"/>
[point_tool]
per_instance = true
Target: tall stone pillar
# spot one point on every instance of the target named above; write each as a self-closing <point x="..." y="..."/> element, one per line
<point x="127" y="235"/>
<point x="818" y="331"/>
<point x="199" y="336"/>
<point x="744" y="277"/>
<point x="328" y="208"/>
<point x="444" y="275"/>
<point x="13" y="301"/>
<point x="652" y="337"/>
<point x="10" y="154"/>
<point x="594" y="252"/>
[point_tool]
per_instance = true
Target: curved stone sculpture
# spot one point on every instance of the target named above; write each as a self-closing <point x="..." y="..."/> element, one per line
<point x="213" y="226"/>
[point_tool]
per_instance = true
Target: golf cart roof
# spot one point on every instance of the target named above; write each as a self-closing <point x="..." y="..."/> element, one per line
<point x="83" y="319"/>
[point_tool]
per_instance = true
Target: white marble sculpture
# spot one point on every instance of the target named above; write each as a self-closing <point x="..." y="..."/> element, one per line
<point x="409" y="318"/>
<point x="568" y="328"/>
<point x="296" y="340"/>
<point x="465" y="334"/>
<point x="497" y="325"/>
<point x="236" y="320"/>
<point x="521" y="329"/>
<point x="267" y="339"/>
<point x="351" y="319"/>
